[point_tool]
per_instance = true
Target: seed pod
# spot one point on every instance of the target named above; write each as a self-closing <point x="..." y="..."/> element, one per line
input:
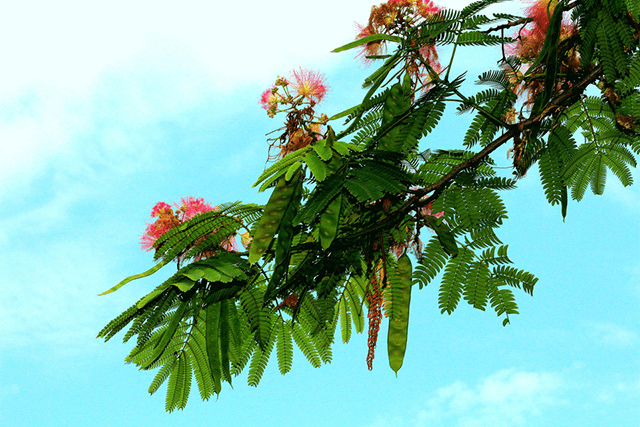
<point x="212" y="328"/>
<point x="272" y="217"/>
<point x="283" y="244"/>
<point x="394" y="104"/>
<point x="329" y="222"/>
<point x="223" y="331"/>
<point x="399" y="324"/>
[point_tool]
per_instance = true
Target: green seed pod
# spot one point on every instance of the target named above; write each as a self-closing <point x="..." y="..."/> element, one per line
<point x="283" y="243"/>
<point x="212" y="328"/>
<point x="272" y="217"/>
<point x="394" y="104"/>
<point x="223" y="324"/>
<point x="399" y="324"/>
<point x="329" y="222"/>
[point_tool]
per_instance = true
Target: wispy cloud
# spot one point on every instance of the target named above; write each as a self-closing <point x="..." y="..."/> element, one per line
<point x="58" y="58"/>
<point x="49" y="294"/>
<point x="620" y="390"/>
<point x="613" y="334"/>
<point x="506" y="398"/>
<point x="84" y="91"/>
<point x="629" y="197"/>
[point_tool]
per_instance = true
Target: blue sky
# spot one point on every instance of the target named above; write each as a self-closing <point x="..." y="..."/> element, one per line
<point x="107" y="109"/>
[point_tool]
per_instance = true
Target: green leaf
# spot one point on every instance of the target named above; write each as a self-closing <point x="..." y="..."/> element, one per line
<point x="365" y="40"/>
<point x="445" y="237"/>
<point x="283" y="163"/>
<point x="212" y="337"/>
<point x="292" y="169"/>
<point x="167" y="335"/>
<point x="316" y="165"/>
<point x="284" y="347"/>
<point x="323" y="150"/>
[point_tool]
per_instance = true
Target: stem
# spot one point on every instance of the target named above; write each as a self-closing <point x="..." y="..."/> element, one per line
<point x="453" y="54"/>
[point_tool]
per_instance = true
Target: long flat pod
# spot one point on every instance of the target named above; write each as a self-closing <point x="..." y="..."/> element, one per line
<point x="283" y="243"/>
<point x="272" y="216"/>
<point x="213" y="344"/>
<point x="329" y="222"/>
<point x="399" y="320"/>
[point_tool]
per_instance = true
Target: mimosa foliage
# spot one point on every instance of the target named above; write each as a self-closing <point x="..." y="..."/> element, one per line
<point x="332" y="245"/>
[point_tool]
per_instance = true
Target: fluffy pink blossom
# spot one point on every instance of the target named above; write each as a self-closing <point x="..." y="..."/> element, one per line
<point x="157" y="209"/>
<point x="192" y="207"/>
<point x="167" y="219"/>
<point x="395" y="17"/>
<point x="310" y="84"/>
<point x="150" y="235"/>
<point x="424" y="7"/>
<point x="427" y="210"/>
<point x="165" y="222"/>
<point x="231" y="244"/>
<point x="268" y="98"/>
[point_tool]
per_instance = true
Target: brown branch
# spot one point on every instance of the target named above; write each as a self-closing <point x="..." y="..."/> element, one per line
<point x="559" y="102"/>
<point x="523" y="20"/>
<point x="508" y="25"/>
<point x="562" y="100"/>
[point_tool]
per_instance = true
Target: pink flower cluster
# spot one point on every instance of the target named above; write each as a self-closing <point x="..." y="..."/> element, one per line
<point x="309" y="84"/>
<point x="306" y="85"/>
<point x="428" y="211"/>
<point x="531" y="39"/>
<point x="393" y="18"/>
<point x="530" y="42"/>
<point x="168" y="218"/>
<point x="296" y="96"/>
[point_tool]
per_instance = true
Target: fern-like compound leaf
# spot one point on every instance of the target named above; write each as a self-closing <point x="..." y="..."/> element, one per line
<point x="284" y="346"/>
<point x="455" y="275"/>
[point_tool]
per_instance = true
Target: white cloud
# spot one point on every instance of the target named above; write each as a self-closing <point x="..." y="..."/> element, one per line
<point x="506" y="398"/>
<point x="70" y="65"/>
<point x="59" y="56"/>
<point x="612" y="334"/>
<point x="82" y="88"/>
<point x="628" y="197"/>
<point x="621" y="390"/>
<point x="49" y="300"/>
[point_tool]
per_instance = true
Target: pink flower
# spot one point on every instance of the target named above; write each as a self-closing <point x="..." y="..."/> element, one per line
<point x="395" y="17"/>
<point x="192" y="207"/>
<point x="149" y="237"/>
<point x="427" y="210"/>
<point x="230" y="244"/>
<point x="372" y="48"/>
<point x="158" y="208"/>
<point x="426" y="8"/>
<point x="538" y="11"/>
<point x="529" y="45"/>
<point x="168" y="219"/>
<point x="310" y="84"/>
<point x="268" y="99"/>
